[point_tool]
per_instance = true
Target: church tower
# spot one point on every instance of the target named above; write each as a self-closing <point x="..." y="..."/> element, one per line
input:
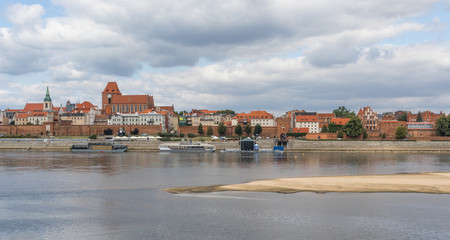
<point x="48" y="106"/>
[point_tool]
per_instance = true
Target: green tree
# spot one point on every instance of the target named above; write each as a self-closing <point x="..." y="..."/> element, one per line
<point x="419" y="118"/>
<point x="12" y="123"/>
<point x="248" y="129"/>
<point x="383" y="136"/>
<point x="227" y="111"/>
<point x="354" y="127"/>
<point x="442" y="126"/>
<point x="209" y="131"/>
<point x="238" y="130"/>
<point x="200" y="129"/>
<point x="340" y="133"/>
<point x="222" y="129"/>
<point x="29" y="123"/>
<point x="403" y="117"/>
<point x="401" y="132"/>
<point x="343" y="112"/>
<point x="324" y="129"/>
<point x="258" y="129"/>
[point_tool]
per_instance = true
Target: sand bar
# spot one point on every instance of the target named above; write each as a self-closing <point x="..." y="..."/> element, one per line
<point x="437" y="183"/>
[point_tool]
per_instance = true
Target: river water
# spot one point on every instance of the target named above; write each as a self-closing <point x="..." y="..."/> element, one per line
<point x="119" y="196"/>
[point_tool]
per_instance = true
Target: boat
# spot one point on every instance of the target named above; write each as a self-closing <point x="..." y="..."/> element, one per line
<point x="99" y="147"/>
<point x="187" y="147"/>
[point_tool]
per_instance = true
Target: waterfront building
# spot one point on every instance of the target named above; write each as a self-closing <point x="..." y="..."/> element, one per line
<point x="148" y="118"/>
<point x="263" y="118"/>
<point x="114" y="102"/>
<point x="388" y="127"/>
<point x="307" y="121"/>
<point x="427" y="116"/>
<point x="369" y="118"/>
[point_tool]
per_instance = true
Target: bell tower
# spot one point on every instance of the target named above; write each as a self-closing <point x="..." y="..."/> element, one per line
<point x="48" y="106"/>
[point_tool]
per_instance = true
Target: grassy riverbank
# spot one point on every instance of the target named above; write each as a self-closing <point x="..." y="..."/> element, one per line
<point x="437" y="183"/>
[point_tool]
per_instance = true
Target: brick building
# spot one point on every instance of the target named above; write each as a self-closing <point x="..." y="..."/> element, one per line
<point x="369" y="118"/>
<point x="114" y="102"/>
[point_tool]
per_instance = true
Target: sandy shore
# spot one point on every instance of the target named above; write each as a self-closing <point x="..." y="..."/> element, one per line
<point x="437" y="183"/>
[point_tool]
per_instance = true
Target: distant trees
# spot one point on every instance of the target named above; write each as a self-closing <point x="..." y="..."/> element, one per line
<point x="354" y="128"/>
<point x="442" y="126"/>
<point x="258" y="129"/>
<point x="403" y="117"/>
<point x="200" y="129"/>
<point x="227" y="111"/>
<point x="343" y="112"/>
<point x="222" y="129"/>
<point x="248" y="129"/>
<point x="238" y="130"/>
<point x="401" y="132"/>
<point x="324" y="129"/>
<point x="209" y="131"/>
<point x="419" y="118"/>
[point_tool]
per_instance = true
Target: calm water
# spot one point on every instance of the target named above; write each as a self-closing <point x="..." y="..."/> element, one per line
<point x="119" y="196"/>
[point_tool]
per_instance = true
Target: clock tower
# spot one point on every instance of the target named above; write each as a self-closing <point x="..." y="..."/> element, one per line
<point x="108" y="94"/>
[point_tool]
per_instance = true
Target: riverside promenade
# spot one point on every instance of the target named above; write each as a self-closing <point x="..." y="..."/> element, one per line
<point x="293" y="145"/>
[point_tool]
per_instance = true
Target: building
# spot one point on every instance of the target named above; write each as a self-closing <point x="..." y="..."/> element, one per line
<point x="114" y="102"/>
<point x="369" y="118"/>
<point x="263" y="118"/>
<point x="388" y="127"/>
<point x="307" y="121"/>
<point x="150" y="118"/>
<point x="325" y="118"/>
<point x="427" y="116"/>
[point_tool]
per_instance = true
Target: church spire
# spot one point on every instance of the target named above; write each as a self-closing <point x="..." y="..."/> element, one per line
<point x="47" y="96"/>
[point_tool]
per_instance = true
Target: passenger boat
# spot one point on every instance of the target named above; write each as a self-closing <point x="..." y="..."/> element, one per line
<point x="99" y="147"/>
<point x="187" y="147"/>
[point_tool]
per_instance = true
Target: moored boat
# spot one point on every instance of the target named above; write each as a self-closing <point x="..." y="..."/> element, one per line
<point x="187" y="147"/>
<point x="99" y="147"/>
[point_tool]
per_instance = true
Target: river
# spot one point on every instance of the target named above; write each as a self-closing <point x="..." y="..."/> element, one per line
<point x="57" y="195"/>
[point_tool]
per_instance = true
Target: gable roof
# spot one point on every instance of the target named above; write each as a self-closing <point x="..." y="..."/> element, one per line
<point x="339" y="121"/>
<point x="131" y="99"/>
<point x="30" y="107"/>
<point x="306" y="118"/>
<point x="111" y="87"/>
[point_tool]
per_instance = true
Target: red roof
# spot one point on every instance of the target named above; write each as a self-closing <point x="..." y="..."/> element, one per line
<point x="111" y="87"/>
<point x="21" y="115"/>
<point x="38" y="114"/>
<point x="30" y="107"/>
<point x="254" y="115"/>
<point x="131" y="99"/>
<point x="306" y="118"/>
<point x="339" y="121"/>
<point x="325" y="115"/>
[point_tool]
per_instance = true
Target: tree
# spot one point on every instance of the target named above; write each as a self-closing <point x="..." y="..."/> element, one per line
<point x="354" y="127"/>
<point x="209" y="131"/>
<point x="227" y="111"/>
<point x="442" y="126"/>
<point x="238" y="130"/>
<point x="248" y="129"/>
<point x="419" y="118"/>
<point x="135" y="132"/>
<point x="340" y="133"/>
<point x="343" y="112"/>
<point x="108" y="131"/>
<point x="324" y="129"/>
<point x="222" y="129"/>
<point x="401" y="132"/>
<point x="403" y="117"/>
<point x="383" y="136"/>
<point x="258" y="129"/>
<point x="200" y="129"/>
<point x="12" y="123"/>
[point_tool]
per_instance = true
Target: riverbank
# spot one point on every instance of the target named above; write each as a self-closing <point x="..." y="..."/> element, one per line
<point x="436" y="183"/>
<point x="292" y="146"/>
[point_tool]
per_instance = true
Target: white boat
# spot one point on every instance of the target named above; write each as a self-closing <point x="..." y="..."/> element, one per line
<point x="187" y="147"/>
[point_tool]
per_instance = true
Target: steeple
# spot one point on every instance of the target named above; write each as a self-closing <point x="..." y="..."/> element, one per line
<point x="48" y="106"/>
<point x="47" y="96"/>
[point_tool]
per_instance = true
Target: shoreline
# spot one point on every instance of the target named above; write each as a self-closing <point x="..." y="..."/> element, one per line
<point x="294" y="146"/>
<point x="431" y="183"/>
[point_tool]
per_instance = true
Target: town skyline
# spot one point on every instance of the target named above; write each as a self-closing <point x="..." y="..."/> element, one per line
<point x="275" y="56"/>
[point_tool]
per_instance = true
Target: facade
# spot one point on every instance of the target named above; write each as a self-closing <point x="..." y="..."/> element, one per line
<point x="307" y="121"/>
<point x="151" y="118"/>
<point x="369" y="118"/>
<point x="427" y="116"/>
<point x="262" y="118"/>
<point x="325" y="118"/>
<point x="388" y="127"/>
<point x="114" y="102"/>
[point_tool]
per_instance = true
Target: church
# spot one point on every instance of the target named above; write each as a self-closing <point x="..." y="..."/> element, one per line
<point x="114" y="102"/>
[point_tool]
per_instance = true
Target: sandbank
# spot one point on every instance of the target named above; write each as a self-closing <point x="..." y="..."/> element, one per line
<point x="436" y="183"/>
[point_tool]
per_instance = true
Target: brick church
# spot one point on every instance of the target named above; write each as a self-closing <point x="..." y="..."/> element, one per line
<point x="114" y="102"/>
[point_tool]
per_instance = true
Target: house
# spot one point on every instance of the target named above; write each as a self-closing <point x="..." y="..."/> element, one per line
<point x="369" y="118"/>
<point x="263" y="118"/>
<point x="308" y="121"/>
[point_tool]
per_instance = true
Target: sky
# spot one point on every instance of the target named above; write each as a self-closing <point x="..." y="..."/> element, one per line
<point x="273" y="55"/>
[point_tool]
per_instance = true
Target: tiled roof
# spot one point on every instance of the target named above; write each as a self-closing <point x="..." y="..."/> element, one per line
<point x="254" y="115"/>
<point x="339" y="121"/>
<point x="30" y="107"/>
<point x="21" y="115"/>
<point x="38" y="114"/>
<point x="325" y="115"/>
<point x="130" y="99"/>
<point x="306" y="118"/>
<point x="111" y="87"/>
<point x="300" y="130"/>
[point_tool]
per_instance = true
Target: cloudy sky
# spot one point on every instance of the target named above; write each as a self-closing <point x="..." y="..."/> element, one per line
<point x="274" y="55"/>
